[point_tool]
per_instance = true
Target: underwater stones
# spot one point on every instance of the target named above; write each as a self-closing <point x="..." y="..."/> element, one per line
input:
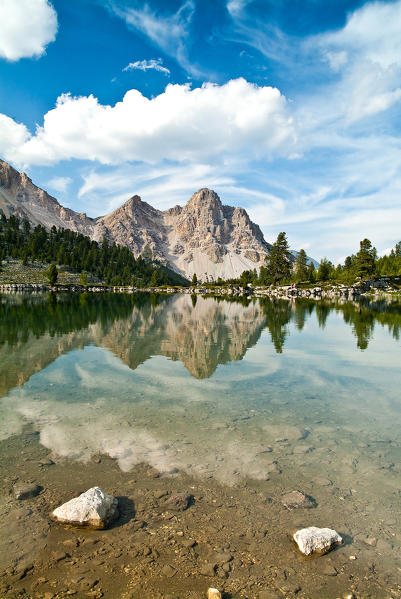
<point x="213" y="594"/>
<point x="297" y="499"/>
<point x="93" y="509"/>
<point x="178" y="502"/>
<point x="26" y="490"/>
<point x="316" y="540"/>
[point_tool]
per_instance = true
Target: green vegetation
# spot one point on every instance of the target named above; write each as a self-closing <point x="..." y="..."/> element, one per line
<point x="282" y="269"/>
<point x="113" y="264"/>
<point x="52" y="274"/>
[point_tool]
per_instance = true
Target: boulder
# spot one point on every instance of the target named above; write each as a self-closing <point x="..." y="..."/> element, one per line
<point x="213" y="594"/>
<point x="316" y="540"/>
<point x="93" y="509"/>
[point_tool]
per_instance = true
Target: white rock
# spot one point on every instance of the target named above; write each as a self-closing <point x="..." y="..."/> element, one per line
<point x="213" y="594"/>
<point x="94" y="508"/>
<point x="316" y="540"/>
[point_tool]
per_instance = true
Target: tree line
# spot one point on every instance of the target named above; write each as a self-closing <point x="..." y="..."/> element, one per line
<point x="109" y="262"/>
<point x="282" y="267"/>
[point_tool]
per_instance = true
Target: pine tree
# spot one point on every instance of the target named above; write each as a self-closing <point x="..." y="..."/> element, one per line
<point x="311" y="273"/>
<point x="194" y="280"/>
<point x="278" y="268"/>
<point x="154" y="280"/>
<point x="365" y="259"/>
<point x="301" y="266"/>
<point x="83" y="279"/>
<point x="52" y="274"/>
<point x="324" y="270"/>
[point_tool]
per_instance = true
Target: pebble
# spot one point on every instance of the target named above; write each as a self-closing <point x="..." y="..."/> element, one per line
<point x="26" y="490"/>
<point x="208" y="569"/>
<point x="297" y="499"/>
<point x="213" y="594"/>
<point x="178" y="502"/>
<point x="168" y="571"/>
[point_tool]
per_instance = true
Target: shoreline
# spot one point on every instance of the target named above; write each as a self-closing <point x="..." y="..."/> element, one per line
<point x="371" y="288"/>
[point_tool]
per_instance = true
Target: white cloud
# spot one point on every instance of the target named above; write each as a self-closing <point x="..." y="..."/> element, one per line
<point x="59" y="183"/>
<point x="235" y="7"/>
<point x="12" y="135"/>
<point x="146" y="65"/>
<point x="26" y="28"/>
<point x="162" y="186"/>
<point x="170" y="33"/>
<point x="182" y="124"/>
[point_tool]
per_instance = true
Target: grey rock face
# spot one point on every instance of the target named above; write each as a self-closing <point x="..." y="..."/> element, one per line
<point x="316" y="540"/>
<point x="94" y="509"/>
<point x="204" y="236"/>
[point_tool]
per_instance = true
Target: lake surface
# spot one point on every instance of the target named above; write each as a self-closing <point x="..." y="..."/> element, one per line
<point x="234" y="402"/>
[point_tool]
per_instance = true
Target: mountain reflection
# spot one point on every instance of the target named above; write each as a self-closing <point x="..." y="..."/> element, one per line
<point x="201" y="333"/>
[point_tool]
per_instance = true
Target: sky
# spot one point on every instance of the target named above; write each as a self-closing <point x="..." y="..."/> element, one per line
<point x="288" y="108"/>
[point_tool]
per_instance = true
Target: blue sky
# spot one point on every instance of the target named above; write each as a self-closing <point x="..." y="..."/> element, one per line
<point x="290" y="109"/>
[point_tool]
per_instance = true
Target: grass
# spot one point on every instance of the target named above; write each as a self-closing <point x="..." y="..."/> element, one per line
<point x="14" y="272"/>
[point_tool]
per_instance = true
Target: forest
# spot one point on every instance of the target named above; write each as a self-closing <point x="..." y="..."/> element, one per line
<point x="110" y="263"/>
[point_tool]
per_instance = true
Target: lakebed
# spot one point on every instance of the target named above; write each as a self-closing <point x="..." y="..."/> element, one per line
<point x="232" y="403"/>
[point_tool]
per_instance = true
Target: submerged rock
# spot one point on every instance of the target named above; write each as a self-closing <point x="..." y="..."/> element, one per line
<point x="297" y="499"/>
<point x="179" y="502"/>
<point x="213" y="594"/>
<point x="26" y="491"/>
<point x="94" y="509"/>
<point x="316" y="540"/>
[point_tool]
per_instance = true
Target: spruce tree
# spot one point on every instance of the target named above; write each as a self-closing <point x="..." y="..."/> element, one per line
<point x="278" y="268"/>
<point x="194" y="280"/>
<point x="365" y="259"/>
<point x="52" y="274"/>
<point x="301" y="266"/>
<point x="154" y="281"/>
<point x="324" y="270"/>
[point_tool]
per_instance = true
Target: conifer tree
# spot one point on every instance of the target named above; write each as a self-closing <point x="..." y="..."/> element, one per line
<point x="52" y="274"/>
<point x="194" y="280"/>
<point x="365" y="259"/>
<point x="278" y="268"/>
<point x="301" y="266"/>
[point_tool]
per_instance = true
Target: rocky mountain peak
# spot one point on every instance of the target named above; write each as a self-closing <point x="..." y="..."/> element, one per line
<point x="203" y="236"/>
<point x="204" y="199"/>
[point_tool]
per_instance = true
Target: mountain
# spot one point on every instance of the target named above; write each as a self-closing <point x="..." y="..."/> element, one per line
<point x="203" y="237"/>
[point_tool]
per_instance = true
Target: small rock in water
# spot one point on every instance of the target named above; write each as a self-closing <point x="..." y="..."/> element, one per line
<point x="26" y="491"/>
<point x="297" y="499"/>
<point x="94" y="509"/>
<point x="178" y="502"/>
<point x="213" y="594"/>
<point x="316" y="540"/>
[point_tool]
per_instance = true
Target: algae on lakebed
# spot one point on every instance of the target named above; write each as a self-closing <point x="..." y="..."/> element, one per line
<point x="146" y="398"/>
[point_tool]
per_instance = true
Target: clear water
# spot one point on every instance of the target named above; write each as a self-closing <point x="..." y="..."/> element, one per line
<point x="277" y="394"/>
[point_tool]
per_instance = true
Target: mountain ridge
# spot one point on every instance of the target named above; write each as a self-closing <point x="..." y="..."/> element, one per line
<point x="204" y="236"/>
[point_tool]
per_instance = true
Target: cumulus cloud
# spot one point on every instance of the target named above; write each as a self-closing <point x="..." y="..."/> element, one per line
<point x="12" y="135"/>
<point x="26" y="28"/>
<point x="181" y="124"/>
<point x="146" y="65"/>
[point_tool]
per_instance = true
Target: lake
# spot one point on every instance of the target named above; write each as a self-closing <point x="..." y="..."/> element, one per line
<point x="234" y="403"/>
